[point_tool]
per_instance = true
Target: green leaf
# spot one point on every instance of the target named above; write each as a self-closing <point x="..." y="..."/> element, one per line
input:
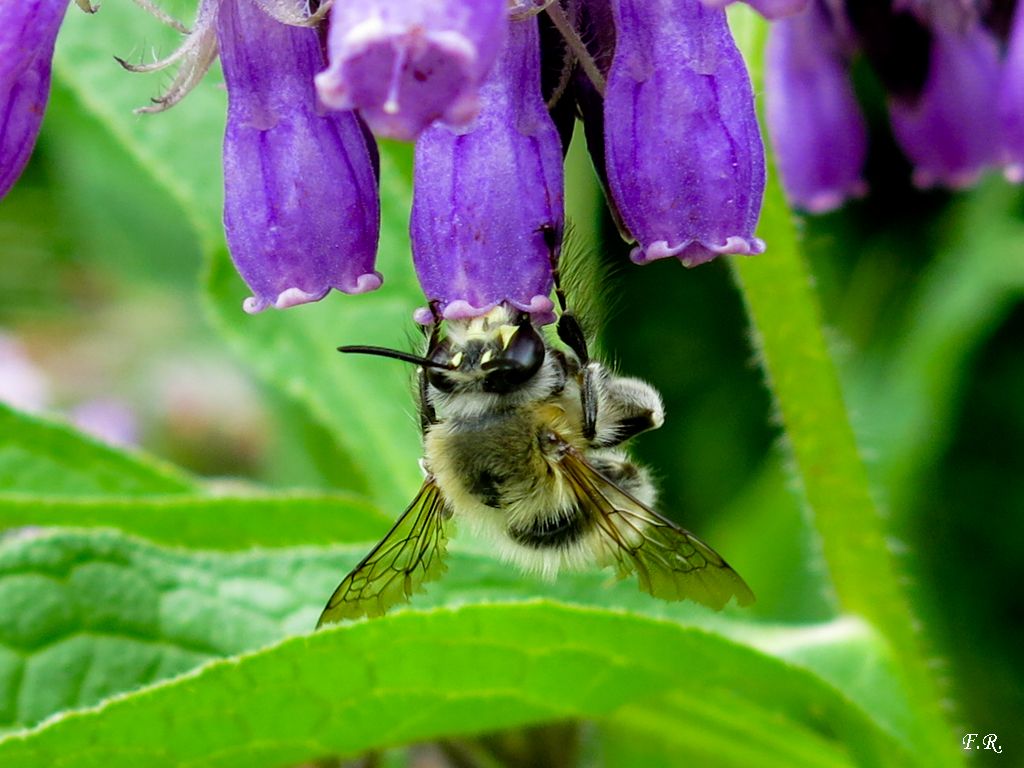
<point x="39" y="456"/>
<point x="292" y="349"/>
<point x="278" y="520"/>
<point x="716" y="729"/>
<point x="92" y="615"/>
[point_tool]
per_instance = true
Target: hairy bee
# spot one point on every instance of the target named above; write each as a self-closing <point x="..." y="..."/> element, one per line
<point x="523" y="442"/>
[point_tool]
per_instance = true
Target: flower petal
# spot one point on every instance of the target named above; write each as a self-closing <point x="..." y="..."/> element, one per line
<point x="949" y="132"/>
<point x="683" y="151"/>
<point x="28" y="29"/>
<point x="483" y="197"/>
<point x="813" y="118"/>
<point x="300" y="195"/>
<point x="406" y="63"/>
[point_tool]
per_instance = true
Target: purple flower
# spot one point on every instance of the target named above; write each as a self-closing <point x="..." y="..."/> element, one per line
<point x="683" y="152"/>
<point x="405" y="63"/>
<point x="484" y="196"/>
<point x="1011" y="100"/>
<point x="667" y="102"/>
<point x="770" y="9"/>
<point x="813" y="118"/>
<point x="300" y="194"/>
<point x="940" y="130"/>
<point x="936" y="59"/>
<point x="28" y="29"/>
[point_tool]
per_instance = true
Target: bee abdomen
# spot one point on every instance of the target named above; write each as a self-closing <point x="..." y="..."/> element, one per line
<point x="550" y="533"/>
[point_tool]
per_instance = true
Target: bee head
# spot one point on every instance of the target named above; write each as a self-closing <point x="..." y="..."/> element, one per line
<point x="481" y="361"/>
<point x="497" y="360"/>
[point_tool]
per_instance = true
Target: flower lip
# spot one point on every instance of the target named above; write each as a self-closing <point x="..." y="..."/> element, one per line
<point x="694" y="252"/>
<point x="292" y="297"/>
<point x="540" y="308"/>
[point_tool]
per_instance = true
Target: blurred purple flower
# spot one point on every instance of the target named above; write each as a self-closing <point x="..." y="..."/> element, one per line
<point x="683" y="151"/>
<point x="770" y="9"/>
<point x="484" y="196"/>
<point x="811" y="111"/>
<point x="28" y="29"/>
<point x="23" y="384"/>
<point x="939" y="130"/>
<point x="1011" y="100"/>
<point x="300" y="195"/>
<point x="108" y="419"/>
<point x="940" y="65"/>
<point x="405" y="63"/>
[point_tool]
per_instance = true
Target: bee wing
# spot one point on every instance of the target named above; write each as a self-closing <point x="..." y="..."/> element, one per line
<point x="670" y="562"/>
<point x="411" y="554"/>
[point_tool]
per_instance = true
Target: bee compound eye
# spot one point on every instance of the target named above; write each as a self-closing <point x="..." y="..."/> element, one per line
<point x="527" y="347"/>
<point x="439" y="380"/>
<point x="518" y="363"/>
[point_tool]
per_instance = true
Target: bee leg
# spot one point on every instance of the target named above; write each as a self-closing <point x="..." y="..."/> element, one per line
<point x="571" y="334"/>
<point x="428" y="417"/>
<point x="569" y="330"/>
<point x="624" y="408"/>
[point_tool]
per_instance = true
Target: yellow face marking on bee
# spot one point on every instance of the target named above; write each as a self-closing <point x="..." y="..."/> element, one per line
<point x="456" y="359"/>
<point x="486" y="357"/>
<point x="505" y="333"/>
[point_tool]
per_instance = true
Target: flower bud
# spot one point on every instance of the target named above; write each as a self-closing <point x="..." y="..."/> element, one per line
<point x="301" y="210"/>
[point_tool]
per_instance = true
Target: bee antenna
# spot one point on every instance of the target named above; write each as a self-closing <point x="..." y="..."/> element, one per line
<point x="394" y="354"/>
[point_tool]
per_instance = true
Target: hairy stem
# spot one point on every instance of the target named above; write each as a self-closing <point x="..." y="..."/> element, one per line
<point x="790" y="340"/>
<point x="576" y="45"/>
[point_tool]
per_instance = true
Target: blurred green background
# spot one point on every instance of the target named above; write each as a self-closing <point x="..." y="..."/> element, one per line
<point x="921" y="292"/>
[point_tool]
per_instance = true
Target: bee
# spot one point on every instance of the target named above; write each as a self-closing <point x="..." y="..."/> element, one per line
<point x="523" y="442"/>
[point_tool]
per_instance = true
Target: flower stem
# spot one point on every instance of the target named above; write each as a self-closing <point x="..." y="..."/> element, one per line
<point x="791" y="344"/>
<point x="572" y="39"/>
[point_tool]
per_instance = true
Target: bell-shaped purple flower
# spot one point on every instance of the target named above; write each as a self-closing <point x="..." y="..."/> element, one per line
<point x="300" y="194"/>
<point x="405" y="63"/>
<point x="1011" y="100"/>
<point x="813" y="118"/>
<point x="487" y="199"/>
<point x="683" y="151"/>
<point x="770" y="9"/>
<point x="947" y="131"/>
<point x="28" y="29"/>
